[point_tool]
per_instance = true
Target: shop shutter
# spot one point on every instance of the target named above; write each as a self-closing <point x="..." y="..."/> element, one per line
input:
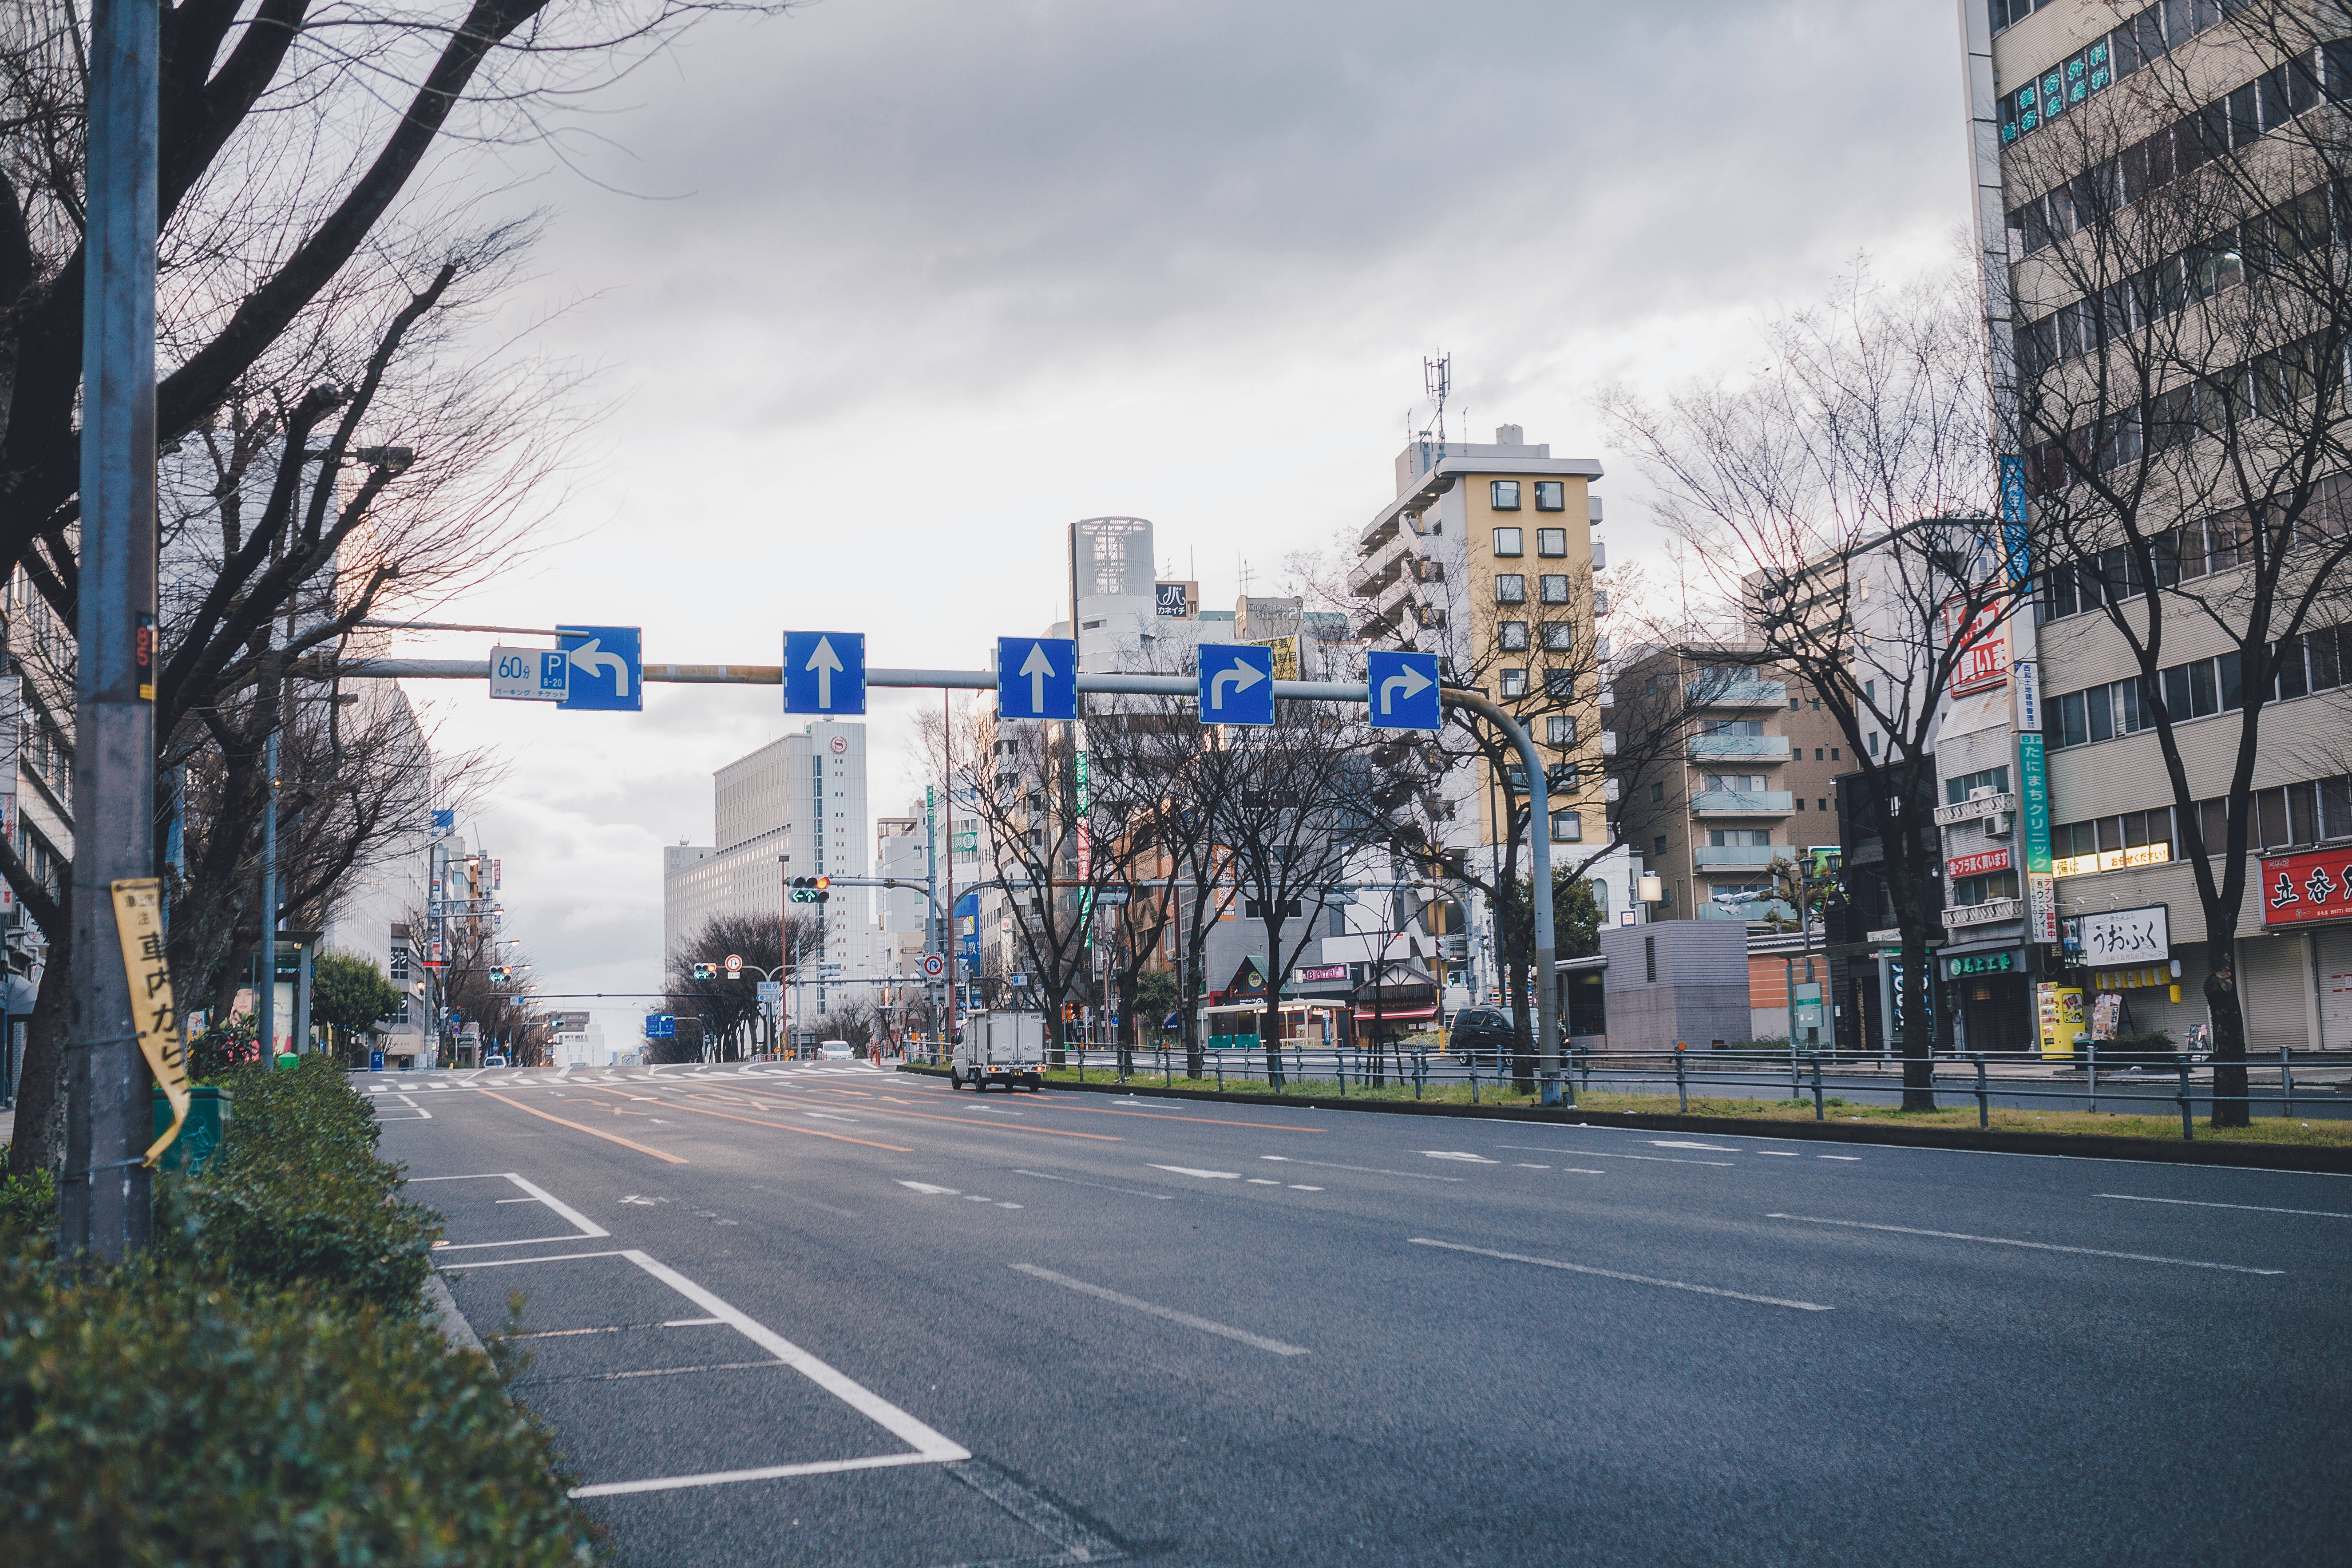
<point x="2335" y="986"/>
<point x="2274" y="979"/>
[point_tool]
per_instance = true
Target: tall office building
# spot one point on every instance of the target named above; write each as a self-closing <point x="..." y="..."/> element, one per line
<point x="795" y="808"/>
<point x="2151" y="182"/>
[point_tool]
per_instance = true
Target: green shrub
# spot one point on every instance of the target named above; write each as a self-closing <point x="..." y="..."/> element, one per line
<point x="297" y="1197"/>
<point x="150" y="1416"/>
<point x="28" y="1210"/>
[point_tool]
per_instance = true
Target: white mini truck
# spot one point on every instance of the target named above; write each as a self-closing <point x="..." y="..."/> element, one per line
<point x="1003" y="1048"/>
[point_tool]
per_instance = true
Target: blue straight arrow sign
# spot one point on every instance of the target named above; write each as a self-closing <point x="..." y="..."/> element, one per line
<point x="1403" y="690"/>
<point x="1236" y="684"/>
<point x="824" y="673"/>
<point x="1036" y="678"/>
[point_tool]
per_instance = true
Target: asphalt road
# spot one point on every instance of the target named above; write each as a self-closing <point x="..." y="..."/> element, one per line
<point x="824" y="1314"/>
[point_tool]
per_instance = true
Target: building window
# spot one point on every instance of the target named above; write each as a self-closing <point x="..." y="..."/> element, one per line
<point x="1658" y="846"/>
<point x="1551" y="495"/>
<point x="1559" y="685"/>
<point x="1833" y="754"/>
<point x="1553" y="589"/>
<point x="1559" y="637"/>
<point x="1551" y="542"/>
<point x="1511" y="635"/>
<point x="1960" y="788"/>
<point x="1510" y="588"/>
<point x="1561" y="778"/>
<point x="1503" y="496"/>
<point x="1985" y="889"/>
<point x="1560" y="729"/>
<point x="1514" y="683"/>
<point x="1874" y="742"/>
<point x="1567" y="827"/>
<point x="1658" y="791"/>
<point x="1507" y="542"/>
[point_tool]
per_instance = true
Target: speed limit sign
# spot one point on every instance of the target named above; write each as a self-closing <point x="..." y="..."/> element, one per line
<point x="933" y="966"/>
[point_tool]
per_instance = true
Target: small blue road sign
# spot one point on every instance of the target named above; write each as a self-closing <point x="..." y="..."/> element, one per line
<point x="824" y="673"/>
<point x="1236" y="684"/>
<point x="608" y="668"/>
<point x="661" y="1025"/>
<point x="1036" y="678"/>
<point x="1404" y="691"/>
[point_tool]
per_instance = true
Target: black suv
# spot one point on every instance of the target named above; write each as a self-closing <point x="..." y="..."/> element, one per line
<point x="1483" y="1035"/>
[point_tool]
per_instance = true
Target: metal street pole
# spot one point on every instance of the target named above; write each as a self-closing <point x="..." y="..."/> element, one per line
<point x="266" y="998"/>
<point x="105" y="1206"/>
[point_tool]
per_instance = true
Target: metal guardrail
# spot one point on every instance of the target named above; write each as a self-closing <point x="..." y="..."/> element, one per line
<point x="1801" y="1072"/>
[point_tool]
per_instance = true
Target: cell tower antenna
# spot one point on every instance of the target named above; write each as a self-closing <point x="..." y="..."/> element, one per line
<point x="1437" y="381"/>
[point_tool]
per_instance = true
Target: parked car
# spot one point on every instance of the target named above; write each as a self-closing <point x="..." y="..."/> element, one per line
<point x="834" y="1051"/>
<point x="1483" y="1036"/>
<point x="495" y="1059"/>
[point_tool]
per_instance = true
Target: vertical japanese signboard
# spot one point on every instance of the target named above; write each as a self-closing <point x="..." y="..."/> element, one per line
<point x="139" y="922"/>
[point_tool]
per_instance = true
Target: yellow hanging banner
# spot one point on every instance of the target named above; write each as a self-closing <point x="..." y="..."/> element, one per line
<point x="139" y="922"/>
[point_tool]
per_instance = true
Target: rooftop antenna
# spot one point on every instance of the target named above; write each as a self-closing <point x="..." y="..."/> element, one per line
<point x="1437" y="380"/>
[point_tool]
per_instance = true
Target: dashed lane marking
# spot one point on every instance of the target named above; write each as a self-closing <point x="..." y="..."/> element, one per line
<point x="2033" y="1245"/>
<point x="1628" y="1278"/>
<point x="1366" y="1170"/>
<point x="1104" y="1186"/>
<point x="1204" y="1175"/>
<point x="1225" y="1330"/>
<point x="1598" y="1154"/>
<point x="2251" y="1208"/>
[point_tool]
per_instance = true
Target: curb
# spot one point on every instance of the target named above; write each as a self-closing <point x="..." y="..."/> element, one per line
<point x="2301" y="1158"/>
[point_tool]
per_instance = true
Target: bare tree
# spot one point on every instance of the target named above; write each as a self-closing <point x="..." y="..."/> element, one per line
<point x="2185" y="311"/>
<point x="727" y="1004"/>
<point x="1835" y="506"/>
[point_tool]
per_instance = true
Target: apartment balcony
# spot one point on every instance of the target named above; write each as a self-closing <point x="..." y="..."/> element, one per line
<point x="1743" y="803"/>
<point x="1388" y="604"/>
<point x="1738" y="694"/>
<point x="1738" y="856"/>
<point x="1739" y="748"/>
<point x="1751" y="909"/>
<point x="1377" y="569"/>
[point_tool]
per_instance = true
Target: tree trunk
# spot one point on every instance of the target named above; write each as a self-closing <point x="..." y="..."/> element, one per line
<point x="2230" y="1105"/>
<point x="1918" y="1035"/>
<point x="39" y="1142"/>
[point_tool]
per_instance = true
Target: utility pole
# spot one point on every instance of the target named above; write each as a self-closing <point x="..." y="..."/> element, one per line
<point x="105" y="1205"/>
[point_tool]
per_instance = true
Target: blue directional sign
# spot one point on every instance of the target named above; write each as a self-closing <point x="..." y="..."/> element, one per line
<point x="1404" y="691"/>
<point x="1236" y="684"/>
<point x="824" y="673"/>
<point x="661" y="1025"/>
<point x="608" y="668"/>
<point x="1036" y="678"/>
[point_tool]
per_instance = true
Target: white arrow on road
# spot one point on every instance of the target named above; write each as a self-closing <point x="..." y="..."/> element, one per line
<point x="1413" y="682"/>
<point x="1243" y="676"/>
<point x="1036" y="666"/>
<point x="587" y="656"/>
<point x="827" y="664"/>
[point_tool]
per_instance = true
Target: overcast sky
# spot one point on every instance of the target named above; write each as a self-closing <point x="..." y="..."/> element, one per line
<point x="885" y="292"/>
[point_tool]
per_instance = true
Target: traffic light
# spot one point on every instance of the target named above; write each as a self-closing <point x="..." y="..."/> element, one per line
<point x="706" y="971"/>
<point x="810" y="890"/>
<point x="499" y="974"/>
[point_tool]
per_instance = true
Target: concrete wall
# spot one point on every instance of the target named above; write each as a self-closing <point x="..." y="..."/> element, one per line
<point x="1700" y="994"/>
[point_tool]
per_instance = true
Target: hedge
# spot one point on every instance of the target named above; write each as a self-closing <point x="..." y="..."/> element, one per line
<point x="263" y="1387"/>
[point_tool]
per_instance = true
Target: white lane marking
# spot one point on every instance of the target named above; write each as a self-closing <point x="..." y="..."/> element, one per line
<point x="1525" y="1166"/>
<point x="527" y="1241"/>
<point x="1684" y="1143"/>
<point x="974" y="1198"/>
<point x="1073" y="1181"/>
<point x="541" y="1258"/>
<point x="1598" y="1154"/>
<point x="1846" y="1157"/>
<point x="765" y="1473"/>
<point x="1005" y="1206"/>
<point x="1296" y="1188"/>
<point x="1227" y="1330"/>
<point x="1462" y="1155"/>
<point x="2035" y="1245"/>
<point x="1368" y="1170"/>
<point x="823" y="1116"/>
<point x="517" y="1200"/>
<point x="930" y="1191"/>
<point x="1263" y="1181"/>
<point x="1204" y="1175"/>
<point x="422" y="1114"/>
<point x="587" y="1226"/>
<point x="692" y="1322"/>
<point x="1629" y="1278"/>
<point x="1579" y="1171"/>
<point x="1778" y="1153"/>
<point x="2251" y="1208"/>
<point x="376" y="1088"/>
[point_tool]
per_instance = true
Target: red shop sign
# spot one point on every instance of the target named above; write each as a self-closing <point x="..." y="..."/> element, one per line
<point x="2315" y="885"/>
<point x="1978" y="864"/>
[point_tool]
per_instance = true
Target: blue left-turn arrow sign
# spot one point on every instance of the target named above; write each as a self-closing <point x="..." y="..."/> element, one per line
<point x="824" y="673"/>
<point x="607" y="673"/>
<point x="1036" y="678"/>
